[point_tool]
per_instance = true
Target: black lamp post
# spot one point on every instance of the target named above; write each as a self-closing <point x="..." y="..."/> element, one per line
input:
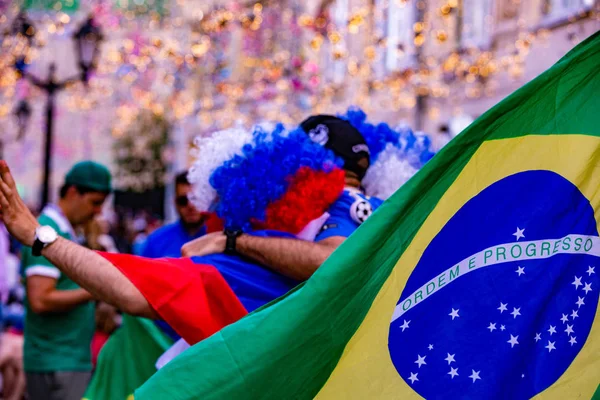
<point x="88" y="39"/>
<point x="87" y="47"/>
<point x="23" y="114"/>
<point x="22" y="28"/>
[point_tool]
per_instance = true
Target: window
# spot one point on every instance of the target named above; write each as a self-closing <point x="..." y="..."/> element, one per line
<point x="476" y="27"/>
<point x="340" y="18"/>
<point x="564" y="8"/>
<point x="400" y="34"/>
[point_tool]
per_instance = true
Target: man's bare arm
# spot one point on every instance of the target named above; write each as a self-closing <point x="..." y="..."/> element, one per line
<point x="43" y="296"/>
<point x="85" y="267"/>
<point x="294" y="258"/>
<point x="98" y="276"/>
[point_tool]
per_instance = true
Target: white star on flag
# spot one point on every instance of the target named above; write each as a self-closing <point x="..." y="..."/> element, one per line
<point x="577" y="282"/>
<point x="550" y="346"/>
<point x="492" y="327"/>
<point x="404" y="325"/>
<point x="453" y="372"/>
<point x="474" y="375"/>
<point x="569" y="329"/>
<point x="552" y="330"/>
<point x="574" y="314"/>
<point x="579" y="301"/>
<point x="587" y="288"/>
<point x="454" y="314"/>
<point x="450" y="358"/>
<point x="413" y="377"/>
<point x="565" y="318"/>
<point x="573" y="341"/>
<point x="430" y="347"/>
<point x="513" y="341"/>
<point x="502" y="307"/>
<point x="538" y="337"/>
<point x="520" y="271"/>
<point x="519" y="233"/>
<point x="502" y="327"/>
<point x="420" y="360"/>
<point x="590" y="270"/>
<point x="516" y="312"/>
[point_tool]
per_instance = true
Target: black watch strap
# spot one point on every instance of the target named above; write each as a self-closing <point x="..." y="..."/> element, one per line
<point x="36" y="249"/>
<point x="230" y="244"/>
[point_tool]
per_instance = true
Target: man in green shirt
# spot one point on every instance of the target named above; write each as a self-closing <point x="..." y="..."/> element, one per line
<point x="59" y="320"/>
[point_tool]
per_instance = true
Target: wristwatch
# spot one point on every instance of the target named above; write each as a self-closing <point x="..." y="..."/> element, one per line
<point x="232" y="236"/>
<point x="44" y="236"/>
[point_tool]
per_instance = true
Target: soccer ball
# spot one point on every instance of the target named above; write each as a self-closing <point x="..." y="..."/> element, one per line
<point x="361" y="210"/>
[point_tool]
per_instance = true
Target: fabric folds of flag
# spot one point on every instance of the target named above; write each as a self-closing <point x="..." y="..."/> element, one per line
<point x="127" y="359"/>
<point x="193" y="299"/>
<point x="479" y="278"/>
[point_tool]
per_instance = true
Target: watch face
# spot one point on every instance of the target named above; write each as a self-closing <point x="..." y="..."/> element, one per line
<point x="46" y="234"/>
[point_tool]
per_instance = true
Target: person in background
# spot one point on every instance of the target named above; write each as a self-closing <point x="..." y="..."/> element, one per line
<point x="11" y="345"/>
<point x="59" y="319"/>
<point x="168" y="240"/>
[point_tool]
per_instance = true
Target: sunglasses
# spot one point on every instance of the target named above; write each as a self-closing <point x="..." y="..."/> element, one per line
<point x="182" y="201"/>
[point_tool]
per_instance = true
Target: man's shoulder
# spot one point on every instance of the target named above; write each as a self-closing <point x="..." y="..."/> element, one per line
<point x="350" y="198"/>
<point x="164" y="230"/>
<point x="44" y="219"/>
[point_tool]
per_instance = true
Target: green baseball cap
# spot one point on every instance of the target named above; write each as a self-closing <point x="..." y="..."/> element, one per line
<point x="90" y="175"/>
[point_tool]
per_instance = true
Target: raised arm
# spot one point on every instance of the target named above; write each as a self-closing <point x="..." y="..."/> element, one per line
<point x="85" y="267"/>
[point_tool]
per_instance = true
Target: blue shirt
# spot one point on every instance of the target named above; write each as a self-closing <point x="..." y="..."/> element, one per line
<point x="350" y="210"/>
<point x="253" y="284"/>
<point x="168" y="240"/>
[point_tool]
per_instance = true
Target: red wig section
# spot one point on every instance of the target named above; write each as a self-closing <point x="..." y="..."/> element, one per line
<point x="309" y="195"/>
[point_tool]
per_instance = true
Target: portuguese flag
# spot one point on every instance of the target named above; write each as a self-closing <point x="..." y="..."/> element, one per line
<point x="480" y="278"/>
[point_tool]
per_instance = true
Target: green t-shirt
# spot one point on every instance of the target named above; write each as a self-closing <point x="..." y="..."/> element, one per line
<point x="56" y="341"/>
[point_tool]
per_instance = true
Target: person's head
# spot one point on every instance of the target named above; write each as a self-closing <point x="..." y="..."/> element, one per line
<point x="189" y="215"/>
<point x="86" y="187"/>
<point x="343" y="139"/>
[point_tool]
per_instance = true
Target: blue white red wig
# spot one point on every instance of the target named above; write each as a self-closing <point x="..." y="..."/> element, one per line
<point x="277" y="180"/>
<point x="280" y="179"/>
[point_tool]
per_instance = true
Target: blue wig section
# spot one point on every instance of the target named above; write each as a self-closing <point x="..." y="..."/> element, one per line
<point x="415" y="146"/>
<point x="247" y="184"/>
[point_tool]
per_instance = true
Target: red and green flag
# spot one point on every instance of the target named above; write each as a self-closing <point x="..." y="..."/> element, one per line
<point x="127" y="359"/>
<point x="480" y="278"/>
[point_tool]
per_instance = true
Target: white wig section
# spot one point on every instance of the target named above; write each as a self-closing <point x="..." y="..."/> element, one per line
<point x="210" y="153"/>
<point x="386" y="175"/>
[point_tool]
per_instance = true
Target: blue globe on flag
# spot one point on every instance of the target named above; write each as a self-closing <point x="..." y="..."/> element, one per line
<point x="504" y="297"/>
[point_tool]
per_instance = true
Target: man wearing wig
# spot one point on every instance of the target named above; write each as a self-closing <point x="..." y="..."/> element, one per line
<point x="294" y="257"/>
<point x="283" y="187"/>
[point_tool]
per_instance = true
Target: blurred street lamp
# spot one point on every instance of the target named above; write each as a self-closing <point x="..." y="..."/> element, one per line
<point x="23" y="114"/>
<point x="87" y="40"/>
<point x="22" y="29"/>
<point x="23" y="26"/>
<point x="87" y="46"/>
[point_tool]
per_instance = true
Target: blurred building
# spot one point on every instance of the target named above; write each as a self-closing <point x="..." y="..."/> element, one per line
<point x="200" y="66"/>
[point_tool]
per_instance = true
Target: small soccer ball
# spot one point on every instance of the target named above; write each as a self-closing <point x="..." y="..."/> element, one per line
<point x="361" y="210"/>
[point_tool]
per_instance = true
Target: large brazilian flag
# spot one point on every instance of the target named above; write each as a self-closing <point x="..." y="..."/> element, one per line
<point x="478" y="279"/>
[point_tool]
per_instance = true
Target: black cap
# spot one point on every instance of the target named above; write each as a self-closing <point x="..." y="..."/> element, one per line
<point x="342" y="138"/>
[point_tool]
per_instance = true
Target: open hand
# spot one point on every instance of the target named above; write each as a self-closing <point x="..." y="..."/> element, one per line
<point x="17" y="218"/>
<point x="207" y="244"/>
